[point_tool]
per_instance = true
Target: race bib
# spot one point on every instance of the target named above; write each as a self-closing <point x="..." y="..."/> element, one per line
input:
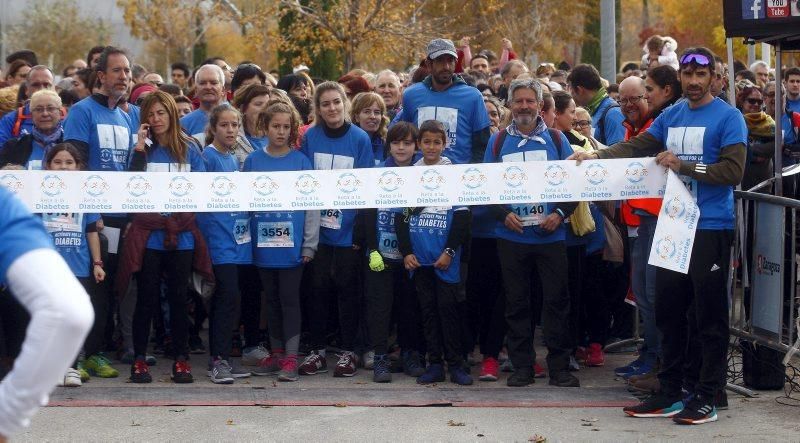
<point x="387" y="245"/>
<point x="531" y="214"/>
<point x="331" y="219"/>
<point x="275" y="235"/>
<point x="241" y="231"/>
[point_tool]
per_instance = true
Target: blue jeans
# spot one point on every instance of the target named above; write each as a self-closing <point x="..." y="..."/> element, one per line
<point x="643" y="282"/>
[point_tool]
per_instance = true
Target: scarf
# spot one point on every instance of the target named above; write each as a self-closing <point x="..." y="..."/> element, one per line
<point x="47" y="141"/>
<point x="534" y="135"/>
<point x="598" y="98"/>
<point x="759" y="124"/>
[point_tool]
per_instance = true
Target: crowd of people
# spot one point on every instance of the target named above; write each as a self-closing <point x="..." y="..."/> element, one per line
<point x="401" y="290"/>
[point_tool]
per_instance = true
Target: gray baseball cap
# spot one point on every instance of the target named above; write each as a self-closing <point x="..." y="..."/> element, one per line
<point x="439" y="47"/>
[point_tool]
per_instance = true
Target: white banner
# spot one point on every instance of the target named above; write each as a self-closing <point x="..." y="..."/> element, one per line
<point x="674" y="237"/>
<point x="477" y="184"/>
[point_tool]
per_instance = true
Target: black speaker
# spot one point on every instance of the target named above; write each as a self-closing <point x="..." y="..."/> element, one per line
<point x="762" y="367"/>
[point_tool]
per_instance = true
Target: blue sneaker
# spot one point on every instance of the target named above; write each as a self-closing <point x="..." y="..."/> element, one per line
<point x="630" y="367"/>
<point x="380" y="369"/>
<point x="460" y="377"/>
<point x="434" y="374"/>
<point x="641" y="370"/>
<point x="411" y="364"/>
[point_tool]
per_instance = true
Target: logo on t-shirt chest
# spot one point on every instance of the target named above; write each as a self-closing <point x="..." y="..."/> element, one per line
<point x="686" y="142"/>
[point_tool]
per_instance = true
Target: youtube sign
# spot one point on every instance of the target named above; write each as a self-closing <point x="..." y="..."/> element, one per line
<point x="778" y="8"/>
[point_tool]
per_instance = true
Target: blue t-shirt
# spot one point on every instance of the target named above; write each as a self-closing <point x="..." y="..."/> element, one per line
<point x="611" y="131"/>
<point x="377" y="149"/>
<point x="531" y="213"/>
<point x="459" y="108"/>
<point x="195" y="124"/>
<point x="278" y="235"/>
<point x="257" y="142"/>
<point x="160" y="160"/>
<point x="428" y="231"/>
<point x="34" y="162"/>
<point x="106" y="131"/>
<point x="8" y="121"/>
<point x="793" y="105"/>
<point x="698" y="135"/>
<point x="353" y="150"/>
<point x="69" y="235"/>
<point x="789" y="137"/>
<point x="20" y="232"/>
<point x="227" y="234"/>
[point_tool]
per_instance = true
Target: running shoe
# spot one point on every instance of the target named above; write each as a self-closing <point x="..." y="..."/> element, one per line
<point x="538" y="371"/>
<point x="346" y="366"/>
<point x="220" y="372"/>
<point x="460" y="376"/>
<point x="411" y="364"/>
<point x="630" y="367"/>
<point x="594" y="355"/>
<point x="182" y="372"/>
<point x="434" y="374"/>
<point x="369" y="359"/>
<point x="82" y="371"/>
<point x="564" y="379"/>
<point x="100" y="366"/>
<point x="72" y="379"/>
<point x="380" y="369"/>
<point x="288" y="370"/>
<point x="253" y="355"/>
<point x="314" y="363"/>
<point x="140" y="372"/>
<point x="269" y="365"/>
<point x="699" y="410"/>
<point x="520" y="378"/>
<point x="489" y="369"/>
<point x="657" y="405"/>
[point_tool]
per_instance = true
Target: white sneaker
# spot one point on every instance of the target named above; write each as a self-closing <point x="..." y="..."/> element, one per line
<point x="369" y="359"/>
<point x="72" y="379"/>
<point x="252" y="356"/>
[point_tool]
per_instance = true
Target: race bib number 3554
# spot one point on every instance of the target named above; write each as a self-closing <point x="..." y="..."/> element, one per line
<point x="275" y="235"/>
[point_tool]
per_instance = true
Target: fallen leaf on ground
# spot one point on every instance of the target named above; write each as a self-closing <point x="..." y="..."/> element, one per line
<point x="538" y="439"/>
<point x="177" y="410"/>
<point x="340" y="405"/>
<point x="133" y="423"/>
<point x="229" y="422"/>
<point x="455" y="423"/>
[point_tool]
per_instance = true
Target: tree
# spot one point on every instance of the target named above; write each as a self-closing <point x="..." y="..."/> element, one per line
<point x="178" y="25"/>
<point x="57" y="32"/>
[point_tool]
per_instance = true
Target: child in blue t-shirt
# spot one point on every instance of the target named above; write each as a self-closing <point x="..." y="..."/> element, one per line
<point x="430" y="241"/>
<point x="76" y="239"/>
<point x="284" y="241"/>
<point x="227" y="235"/>
<point x="387" y="283"/>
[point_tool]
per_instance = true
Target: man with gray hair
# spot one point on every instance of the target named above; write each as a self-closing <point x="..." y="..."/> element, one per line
<point x="387" y="85"/>
<point x="209" y="82"/>
<point x="531" y="236"/>
<point x="761" y="70"/>
<point x="19" y="122"/>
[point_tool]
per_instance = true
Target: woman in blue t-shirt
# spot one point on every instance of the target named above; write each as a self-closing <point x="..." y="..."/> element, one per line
<point x="250" y="100"/>
<point x="228" y="237"/>
<point x="76" y="239"/>
<point x="284" y="242"/>
<point x="171" y="238"/>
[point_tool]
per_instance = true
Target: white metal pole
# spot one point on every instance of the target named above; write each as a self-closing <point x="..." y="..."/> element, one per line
<point x="779" y="110"/>
<point x="731" y="75"/>
<point x="766" y="53"/>
<point x="608" y="37"/>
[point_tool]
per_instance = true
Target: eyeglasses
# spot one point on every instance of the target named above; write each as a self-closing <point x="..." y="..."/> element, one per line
<point x="755" y="101"/>
<point x="581" y="123"/>
<point x="632" y="100"/>
<point x="698" y="59"/>
<point x="48" y="109"/>
<point x="377" y="113"/>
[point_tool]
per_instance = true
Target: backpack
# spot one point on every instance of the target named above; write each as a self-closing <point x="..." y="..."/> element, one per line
<point x="501" y="137"/>
<point x="18" y="122"/>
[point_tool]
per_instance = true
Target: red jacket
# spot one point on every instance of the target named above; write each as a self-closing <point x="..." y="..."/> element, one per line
<point x="649" y="205"/>
<point x="136" y="242"/>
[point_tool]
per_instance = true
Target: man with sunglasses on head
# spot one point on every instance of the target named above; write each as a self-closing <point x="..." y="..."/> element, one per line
<point x="703" y="140"/>
<point x="19" y="121"/>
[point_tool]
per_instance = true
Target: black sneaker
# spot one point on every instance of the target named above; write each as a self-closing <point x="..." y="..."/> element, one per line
<point x="657" y="405"/>
<point x="182" y="372"/>
<point x="196" y="345"/>
<point x="521" y="377"/>
<point x="564" y="379"/>
<point x="699" y="410"/>
<point x="140" y="372"/>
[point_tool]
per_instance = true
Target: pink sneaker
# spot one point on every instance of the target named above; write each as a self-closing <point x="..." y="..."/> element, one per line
<point x="595" y="356"/>
<point x="538" y="371"/>
<point x="288" y="370"/>
<point x="489" y="369"/>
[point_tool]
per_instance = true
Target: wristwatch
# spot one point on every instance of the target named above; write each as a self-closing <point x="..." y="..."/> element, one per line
<point x="450" y="251"/>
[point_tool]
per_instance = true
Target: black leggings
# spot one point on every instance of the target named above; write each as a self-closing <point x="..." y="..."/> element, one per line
<point x="335" y="271"/>
<point x="282" y="287"/>
<point x="176" y="266"/>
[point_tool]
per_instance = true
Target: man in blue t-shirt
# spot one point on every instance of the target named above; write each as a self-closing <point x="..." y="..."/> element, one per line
<point x="445" y="97"/>
<point x="703" y="140"/>
<point x="587" y="90"/>
<point x="791" y="78"/>
<point x="209" y="82"/>
<point x="531" y="236"/>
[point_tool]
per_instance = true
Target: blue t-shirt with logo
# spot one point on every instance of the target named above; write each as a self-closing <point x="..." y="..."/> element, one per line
<point x="429" y="230"/>
<point x="698" y="135"/>
<point x="106" y="131"/>
<point x="793" y="105"/>
<point x="68" y="232"/>
<point x="194" y="124"/>
<point x="227" y="234"/>
<point x="611" y="130"/>
<point x="353" y="150"/>
<point x="160" y="160"/>
<point x="20" y="232"/>
<point x="541" y="148"/>
<point x="277" y="235"/>
<point x="459" y="108"/>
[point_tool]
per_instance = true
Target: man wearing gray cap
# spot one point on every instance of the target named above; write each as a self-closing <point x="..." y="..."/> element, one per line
<point x="443" y="96"/>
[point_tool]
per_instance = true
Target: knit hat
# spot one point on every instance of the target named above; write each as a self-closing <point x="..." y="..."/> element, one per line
<point x="439" y="47"/>
<point x="142" y="88"/>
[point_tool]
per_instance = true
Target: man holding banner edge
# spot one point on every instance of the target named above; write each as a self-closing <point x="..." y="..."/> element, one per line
<point x="702" y="139"/>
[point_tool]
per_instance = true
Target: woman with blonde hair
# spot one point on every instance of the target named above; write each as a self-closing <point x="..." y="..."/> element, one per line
<point x="369" y="113"/>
